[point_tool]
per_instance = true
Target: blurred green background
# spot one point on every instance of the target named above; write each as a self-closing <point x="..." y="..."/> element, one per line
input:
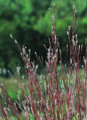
<point x="30" y="21"/>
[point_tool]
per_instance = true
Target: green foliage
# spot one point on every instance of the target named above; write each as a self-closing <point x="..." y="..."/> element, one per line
<point x="44" y="24"/>
<point x="64" y="17"/>
<point x="30" y="22"/>
<point x="10" y="87"/>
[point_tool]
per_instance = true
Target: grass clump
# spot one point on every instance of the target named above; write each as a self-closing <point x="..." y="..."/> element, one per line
<point x="56" y="96"/>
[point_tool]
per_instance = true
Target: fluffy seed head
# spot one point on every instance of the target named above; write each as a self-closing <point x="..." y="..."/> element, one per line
<point x="11" y="36"/>
<point x="16" y="41"/>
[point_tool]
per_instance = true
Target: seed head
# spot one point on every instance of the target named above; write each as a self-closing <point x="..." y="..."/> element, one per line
<point x="74" y="7"/>
<point x="1" y="84"/>
<point x="56" y="50"/>
<point x="16" y="41"/>
<point x="69" y="27"/>
<point x="54" y="4"/>
<point x="22" y="76"/>
<point x="76" y="22"/>
<point x="18" y="69"/>
<point x="75" y="64"/>
<point x="36" y="67"/>
<point x="23" y="50"/>
<point x="70" y="61"/>
<point x="11" y="36"/>
<point x="67" y="32"/>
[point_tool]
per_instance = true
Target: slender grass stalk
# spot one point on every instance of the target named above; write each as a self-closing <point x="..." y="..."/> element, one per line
<point x="55" y="96"/>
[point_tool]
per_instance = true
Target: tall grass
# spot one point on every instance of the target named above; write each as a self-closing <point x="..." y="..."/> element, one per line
<point x="52" y="97"/>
